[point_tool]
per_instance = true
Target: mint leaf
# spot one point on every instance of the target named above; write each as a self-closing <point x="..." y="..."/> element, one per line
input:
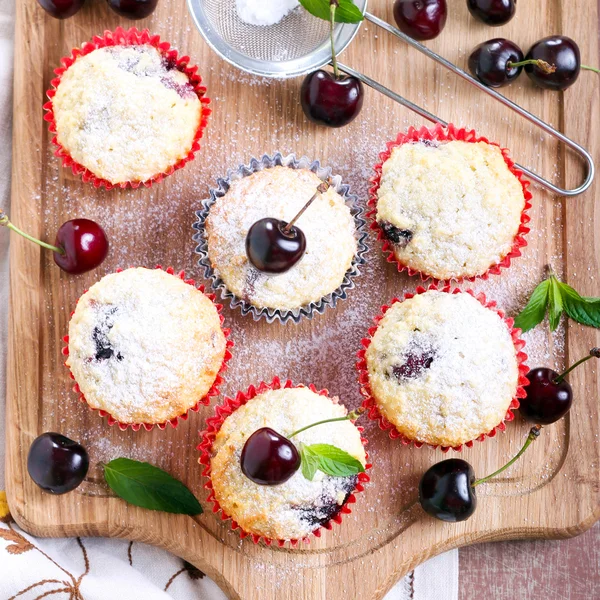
<point x="534" y="311"/>
<point x="145" y="485"/>
<point x="331" y="460"/>
<point x="309" y="462"/>
<point x="581" y="309"/>
<point x="346" y="11"/>
<point x="555" y="303"/>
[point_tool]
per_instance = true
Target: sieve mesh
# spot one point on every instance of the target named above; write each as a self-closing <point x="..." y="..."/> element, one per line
<point x="298" y="34"/>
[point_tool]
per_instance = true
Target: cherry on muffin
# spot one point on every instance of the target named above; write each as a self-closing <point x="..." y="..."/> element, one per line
<point x="274" y="246"/>
<point x="269" y="458"/>
<point x="447" y="489"/>
<point x="492" y="12"/>
<point x="56" y="463"/>
<point x="80" y="245"/>
<point x="133" y="9"/>
<point x="421" y="19"/>
<point x="61" y="9"/>
<point x="328" y="98"/>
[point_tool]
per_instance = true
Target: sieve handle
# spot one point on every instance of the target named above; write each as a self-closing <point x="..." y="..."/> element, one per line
<point x="582" y="152"/>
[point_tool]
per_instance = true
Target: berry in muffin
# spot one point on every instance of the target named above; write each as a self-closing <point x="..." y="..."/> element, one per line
<point x="449" y="210"/>
<point x="145" y="346"/>
<point x="442" y="368"/>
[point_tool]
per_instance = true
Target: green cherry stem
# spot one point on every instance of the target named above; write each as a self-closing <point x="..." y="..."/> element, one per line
<point x="538" y="62"/>
<point x="351" y="416"/>
<point x="588" y="68"/>
<point x="5" y="222"/>
<point x="594" y="353"/>
<point x="533" y="434"/>
<point x="333" y="4"/>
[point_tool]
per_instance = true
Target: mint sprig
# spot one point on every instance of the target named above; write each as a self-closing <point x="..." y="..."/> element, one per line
<point x="330" y="459"/>
<point x="145" y="485"/>
<point x="345" y="10"/>
<point x="555" y="297"/>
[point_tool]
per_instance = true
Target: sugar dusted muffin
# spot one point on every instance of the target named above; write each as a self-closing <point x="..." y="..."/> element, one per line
<point x="280" y="192"/>
<point x="126" y="113"/>
<point x="297" y="507"/>
<point x="449" y="209"/>
<point x="442" y="368"/>
<point x="145" y="346"/>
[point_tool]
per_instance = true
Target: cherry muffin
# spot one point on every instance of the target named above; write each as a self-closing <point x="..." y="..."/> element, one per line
<point x="442" y="368"/>
<point x="145" y="346"/>
<point x="127" y="113"/>
<point x="333" y="243"/>
<point x="258" y="451"/>
<point x="449" y="206"/>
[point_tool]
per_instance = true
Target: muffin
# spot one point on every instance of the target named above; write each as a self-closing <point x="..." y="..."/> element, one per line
<point x="145" y="346"/>
<point x="280" y="192"/>
<point x="127" y="113"/>
<point x="449" y="208"/>
<point x="297" y="507"/>
<point x="442" y="368"/>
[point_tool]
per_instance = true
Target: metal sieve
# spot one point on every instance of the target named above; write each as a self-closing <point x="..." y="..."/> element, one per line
<point x="299" y="44"/>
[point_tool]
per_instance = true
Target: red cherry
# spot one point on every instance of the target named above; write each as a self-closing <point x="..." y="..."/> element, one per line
<point x="421" y="19"/>
<point x="492" y="62"/>
<point x="330" y="100"/>
<point x="61" y="9"/>
<point x="269" y="458"/>
<point x="133" y="9"/>
<point x="84" y="243"/>
<point x="493" y="12"/>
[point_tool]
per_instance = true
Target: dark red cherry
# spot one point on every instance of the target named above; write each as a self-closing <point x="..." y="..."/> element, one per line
<point x="133" y="9"/>
<point x="546" y="401"/>
<point x="446" y="490"/>
<point x="420" y="19"/>
<point x="491" y="62"/>
<point x="56" y="463"/>
<point x="560" y="52"/>
<point x="493" y="12"/>
<point x="84" y="243"/>
<point x="268" y="458"/>
<point x="272" y="249"/>
<point x="61" y="9"/>
<point x="331" y="101"/>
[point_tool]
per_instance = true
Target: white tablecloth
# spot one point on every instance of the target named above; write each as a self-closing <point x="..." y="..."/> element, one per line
<point x="99" y="569"/>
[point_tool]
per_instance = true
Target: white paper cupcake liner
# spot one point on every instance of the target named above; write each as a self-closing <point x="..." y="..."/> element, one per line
<point x="272" y="314"/>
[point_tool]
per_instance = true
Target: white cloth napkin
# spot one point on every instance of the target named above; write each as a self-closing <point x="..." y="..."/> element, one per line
<point x="100" y="569"/>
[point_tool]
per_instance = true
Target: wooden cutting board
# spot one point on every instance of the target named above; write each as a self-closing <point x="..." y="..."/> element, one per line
<point x="552" y="492"/>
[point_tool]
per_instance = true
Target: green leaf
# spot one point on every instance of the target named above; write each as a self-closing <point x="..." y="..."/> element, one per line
<point x="145" y="485"/>
<point x="581" y="309"/>
<point x="555" y="303"/>
<point x="309" y="462"/>
<point x="346" y="11"/>
<point x="330" y="459"/>
<point x="534" y="311"/>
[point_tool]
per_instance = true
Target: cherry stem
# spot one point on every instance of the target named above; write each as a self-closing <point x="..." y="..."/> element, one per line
<point x="333" y="4"/>
<point x="533" y="434"/>
<point x="539" y="63"/>
<point x="323" y="187"/>
<point x="351" y="416"/>
<point x="588" y="68"/>
<point x="594" y="353"/>
<point x="5" y="221"/>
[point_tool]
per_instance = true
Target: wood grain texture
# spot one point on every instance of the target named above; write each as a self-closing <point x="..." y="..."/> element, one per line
<point x="552" y="492"/>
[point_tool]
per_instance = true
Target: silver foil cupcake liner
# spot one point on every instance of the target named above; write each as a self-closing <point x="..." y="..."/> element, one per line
<point x="272" y="314"/>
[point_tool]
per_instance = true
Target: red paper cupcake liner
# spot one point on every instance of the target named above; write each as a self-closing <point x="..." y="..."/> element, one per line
<point x="205" y="400"/>
<point x="446" y="134"/>
<point x="213" y="425"/>
<point x="130" y="37"/>
<point x="370" y="404"/>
